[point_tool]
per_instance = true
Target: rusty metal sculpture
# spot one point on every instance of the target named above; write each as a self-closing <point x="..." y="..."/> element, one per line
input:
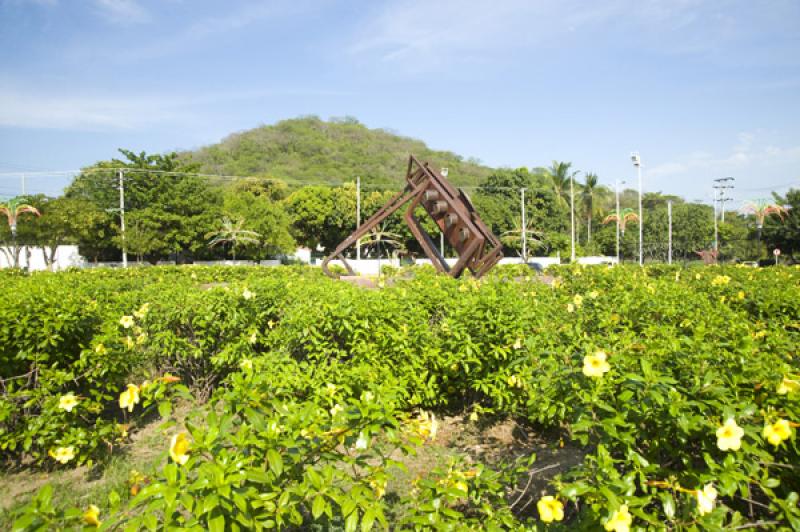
<point x="477" y="248"/>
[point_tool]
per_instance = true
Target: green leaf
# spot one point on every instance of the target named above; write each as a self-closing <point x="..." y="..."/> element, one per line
<point x="351" y="523"/>
<point x="275" y="461"/>
<point x="318" y="506"/>
<point x="217" y="523"/>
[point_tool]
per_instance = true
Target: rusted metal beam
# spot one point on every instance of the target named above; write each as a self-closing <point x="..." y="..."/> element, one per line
<point x="477" y="247"/>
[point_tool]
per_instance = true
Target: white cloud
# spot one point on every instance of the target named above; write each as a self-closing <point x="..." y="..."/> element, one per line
<point x="425" y="35"/>
<point x="755" y="163"/>
<point x="31" y="109"/>
<point x="122" y="11"/>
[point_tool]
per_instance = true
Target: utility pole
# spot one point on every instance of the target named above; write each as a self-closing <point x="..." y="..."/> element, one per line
<point x="122" y="218"/>
<point x="723" y="184"/>
<point x="618" y="220"/>
<point x="523" y="230"/>
<point x="572" y="215"/>
<point x="637" y="162"/>
<point x="358" y="215"/>
<point x="716" y="230"/>
<point x="669" y="240"/>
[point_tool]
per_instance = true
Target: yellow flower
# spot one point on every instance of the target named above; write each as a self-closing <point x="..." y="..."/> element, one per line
<point x="570" y="307"/>
<point x="247" y="294"/>
<point x="100" y="349"/>
<point x="92" y="516"/>
<point x="550" y="509"/>
<point x="330" y="389"/>
<point x="142" y="312"/>
<point x="270" y="324"/>
<point x="729" y="436"/>
<point x="142" y="338"/>
<point x="336" y="409"/>
<point x="62" y="454"/>
<point x="518" y="344"/>
<point x="253" y="338"/>
<point x="578" y="300"/>
<point x="129" y="343"/>
<point x="473" y="416"/>
<point x="378" y="486"/>
<point x="129" y="397"/>
<point x="788" y="385"/>
<point x="778" y="431"/>
<point x="595" y="365"/>
<point x="720" y="280"/>
<point x="514" y="381"/>
<point x="594" y="294"/>
<point x="367" y="397"/>
<point x="126" y="321"/>
<point x="705" y="499"/>
<point x="740" y="295"/>
<point x="620" y="521"/>
<point x="67" y="402"/>
<point x="246" y="364"/>
<point x="179" y="448"/>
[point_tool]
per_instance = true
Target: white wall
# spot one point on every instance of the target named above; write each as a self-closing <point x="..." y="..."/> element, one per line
<point x="66" y="256"/>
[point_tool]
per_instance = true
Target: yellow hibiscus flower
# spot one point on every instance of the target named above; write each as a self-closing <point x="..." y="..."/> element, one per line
<point x="550" y="509"/>
<point x="595" y="365"/>
<point x="62" y="455"/>
<point x="729" y="436"/>
<point x="92" y="516"/>
<point x="788" y="386"/>
<point x="777" y="432"/>
<point x="620" y="520"/>
<point x="179" y="448"/>
<point x="705" y="499"/>
<point x="126" y="321"/>
<point x="129" y="397"/>
<point x="67" y="402"/>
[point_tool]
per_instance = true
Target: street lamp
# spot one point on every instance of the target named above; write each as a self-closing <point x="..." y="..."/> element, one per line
<point x="637" y="162"/>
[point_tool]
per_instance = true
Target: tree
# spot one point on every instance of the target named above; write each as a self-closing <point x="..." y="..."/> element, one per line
<point x="13" y="209"/>
<point x="625" y="215"/>
<point x="762" y="209"/>
<point x="786" y="235"/>
<point x="63" y="221"/>
<point x="178" y="207"/>
<point x="589" y="188"/>
<point x="264" y="216"/>
<point x="234" y="234"/>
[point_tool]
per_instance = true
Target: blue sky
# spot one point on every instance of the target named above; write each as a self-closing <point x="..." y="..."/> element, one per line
<point x="703" y="89"/>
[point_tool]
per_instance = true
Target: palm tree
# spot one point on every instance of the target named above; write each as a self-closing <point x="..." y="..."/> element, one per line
<point x="761" y="208"/>
<point x="13" y="208"/>
<point x="379" y="235"/>
<point x="625" y="215"/>
<point x="588" y="201"/>
<point x="560" y="177"/>
<point x="513" y="238"/>
<point x="233" y="234"/>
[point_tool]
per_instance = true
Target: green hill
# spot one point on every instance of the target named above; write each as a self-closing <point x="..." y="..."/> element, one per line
<point x="311" y="150"/>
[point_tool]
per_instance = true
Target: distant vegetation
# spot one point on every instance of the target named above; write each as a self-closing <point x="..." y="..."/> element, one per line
<point x="312" y="150"/>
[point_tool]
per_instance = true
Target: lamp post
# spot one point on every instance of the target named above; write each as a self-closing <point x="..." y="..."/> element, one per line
<point x="637" y="162"/>
<point x="572" y="215"/>
<point x="523" y="235"/>
<point x="618" y="220"/>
